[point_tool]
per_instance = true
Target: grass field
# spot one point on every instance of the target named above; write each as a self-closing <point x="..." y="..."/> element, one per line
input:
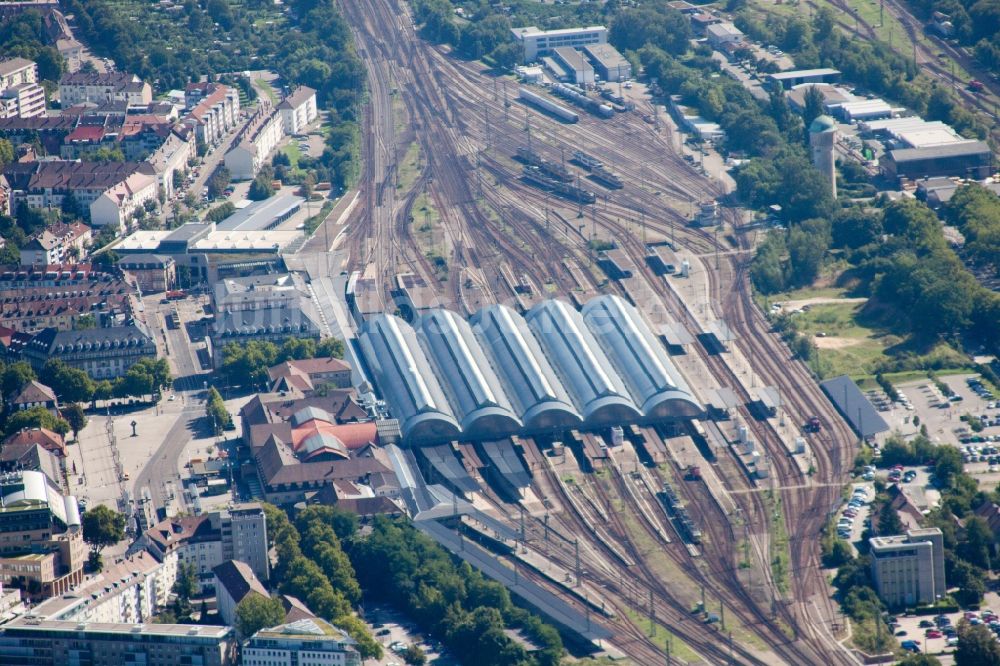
<point x="266" y="87"/>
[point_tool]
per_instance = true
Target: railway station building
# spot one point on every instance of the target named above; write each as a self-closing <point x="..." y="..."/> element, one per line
<point x="501" y="374"/>
<point x="535" y="42"/>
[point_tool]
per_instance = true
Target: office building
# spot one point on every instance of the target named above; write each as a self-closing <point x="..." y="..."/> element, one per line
<point x="535" y="42"/>
<point x="909" y="569"/>
<point x="307" y="642"/>
<point x="28" y="640"/>
<point x="41" y="540"/>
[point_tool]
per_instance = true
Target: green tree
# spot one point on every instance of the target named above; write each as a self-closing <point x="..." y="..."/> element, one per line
<point x="976" y="646"/>
<point x="889" y="523"/>
<point x="35" y="417"/>
<point x="948" y="465"/>
<point x="69" y="383"/>
<point x="977" y="543"/>
<point x="256" y="612"/>
<point x="414" y="656"/>
<point x="77" y="420"/>
<point x="919" y="660"/>
<point x="221" y="212"/>
<point x="332" y="347"/>
<point x="261" y="188"/>
<point x="85" y="322"/>
<point x="102" y="527"/>
<point x="216" y="413"/>
<point x="218" y="182"/>
<point x="15" y="376"/>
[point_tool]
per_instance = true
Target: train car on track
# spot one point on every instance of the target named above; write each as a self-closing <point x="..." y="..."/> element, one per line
<point x="586" y="161"/>
<point x="551" y="169"/>
<point x="607" y="178"/>
<point x="536" y="177"/>
<point x="548" y="105"/>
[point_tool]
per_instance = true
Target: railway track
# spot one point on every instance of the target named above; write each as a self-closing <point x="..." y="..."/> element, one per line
<point x="448" y="103"/>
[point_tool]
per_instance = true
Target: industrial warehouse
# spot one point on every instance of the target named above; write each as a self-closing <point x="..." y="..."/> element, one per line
<point x="502" y="374"/>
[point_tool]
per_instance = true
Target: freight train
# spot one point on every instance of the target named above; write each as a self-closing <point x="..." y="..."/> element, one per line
<point x="556" y="110"/>
<point x="579" y="97"/>
<point x="682" y="521"/>
<point x="550" y="169"/>
<point x="536" y="177"/>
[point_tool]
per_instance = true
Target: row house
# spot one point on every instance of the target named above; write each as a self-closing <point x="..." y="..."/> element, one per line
<point x="255" y="143"/>
<point x="214" y="109"/>
<point x="56" y="243"/>
<point x="98" y="87"/>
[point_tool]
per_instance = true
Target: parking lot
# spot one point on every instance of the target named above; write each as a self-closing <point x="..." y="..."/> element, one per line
<point x="395" y="632"/>
<point x="940" y="414"/>
<point x="855" y="516"/>
<point x="908" y="628"/>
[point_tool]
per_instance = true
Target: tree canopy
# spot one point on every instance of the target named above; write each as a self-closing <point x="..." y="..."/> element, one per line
<point x="103" y="527"/>
<point x="256" y="612"/>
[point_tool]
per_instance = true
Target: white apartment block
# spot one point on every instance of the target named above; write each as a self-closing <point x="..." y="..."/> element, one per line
<point x="909" y="569"/>
<point x="535" y="42"/>
<point x="119" y="203"/>
<point x="102" y="88"/>
<point x="298" y="109"/>
<point x="214" y="111"/>
<point x="20" y="94"/>
<point x="170" y="157"/>
<point x="55" y="244"/>
<point x="253" y="146"/>
<point x="16" y="71"/>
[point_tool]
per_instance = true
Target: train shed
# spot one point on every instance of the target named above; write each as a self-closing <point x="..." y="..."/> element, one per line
<point x="505" y="470"/>
<point x="442" y="460"/>
<point x="854" y="406"/>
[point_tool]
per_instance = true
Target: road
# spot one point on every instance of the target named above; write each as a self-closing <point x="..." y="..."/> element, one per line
<point x="162" y="468"/>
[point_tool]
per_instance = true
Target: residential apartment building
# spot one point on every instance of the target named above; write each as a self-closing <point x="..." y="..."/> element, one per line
<point x="100" y="87"/>
<point x="15" y="71"/>
<point x="33" y="298"/>
<point x="909" y="569"/>
<point x="25" y="100"/>
<point x="46" y="184"/>
<point x="28" y="640"/>
<point x="103" y="353"/>
<point x="298" y="109"/>
<point x="169" y="158"/>
<point x="208" y="540"/>
<point x="20" y="94"/>
<point x="254" y="144"/>
<point x="234" y="581"/>
<point x="306" y="642"/>
<point x="72" y="51"/>
<point x="152" y="273"/>
<point x="309" y="375"/>
<point x="535" y="42"/>
<point x="130" y="590"/>
<point x="214" y="110"/>
<point x="118" y="205"/>
<point x="41" y="541"/>
<point x="34" y="394"/>
<point x="57" y="244"/>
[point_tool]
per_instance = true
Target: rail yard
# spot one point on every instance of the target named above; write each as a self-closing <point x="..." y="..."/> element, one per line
<point x="663" y="531"/>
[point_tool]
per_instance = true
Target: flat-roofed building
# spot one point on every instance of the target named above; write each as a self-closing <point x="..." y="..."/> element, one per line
<point x="306" y="642"/>
<point x="609" y="63"/>
<point x="723" y="34"/>
<point x="909" y="569"/>
<point x="789" y="80"/>
<point x="969" y="159"/>
<point x="577" y="68"/>
<point x="28" y="640"/>
<point x="535" y="42"/>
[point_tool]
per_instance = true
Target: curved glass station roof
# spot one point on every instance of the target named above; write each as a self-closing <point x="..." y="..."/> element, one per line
<point x="501" y="373"/>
